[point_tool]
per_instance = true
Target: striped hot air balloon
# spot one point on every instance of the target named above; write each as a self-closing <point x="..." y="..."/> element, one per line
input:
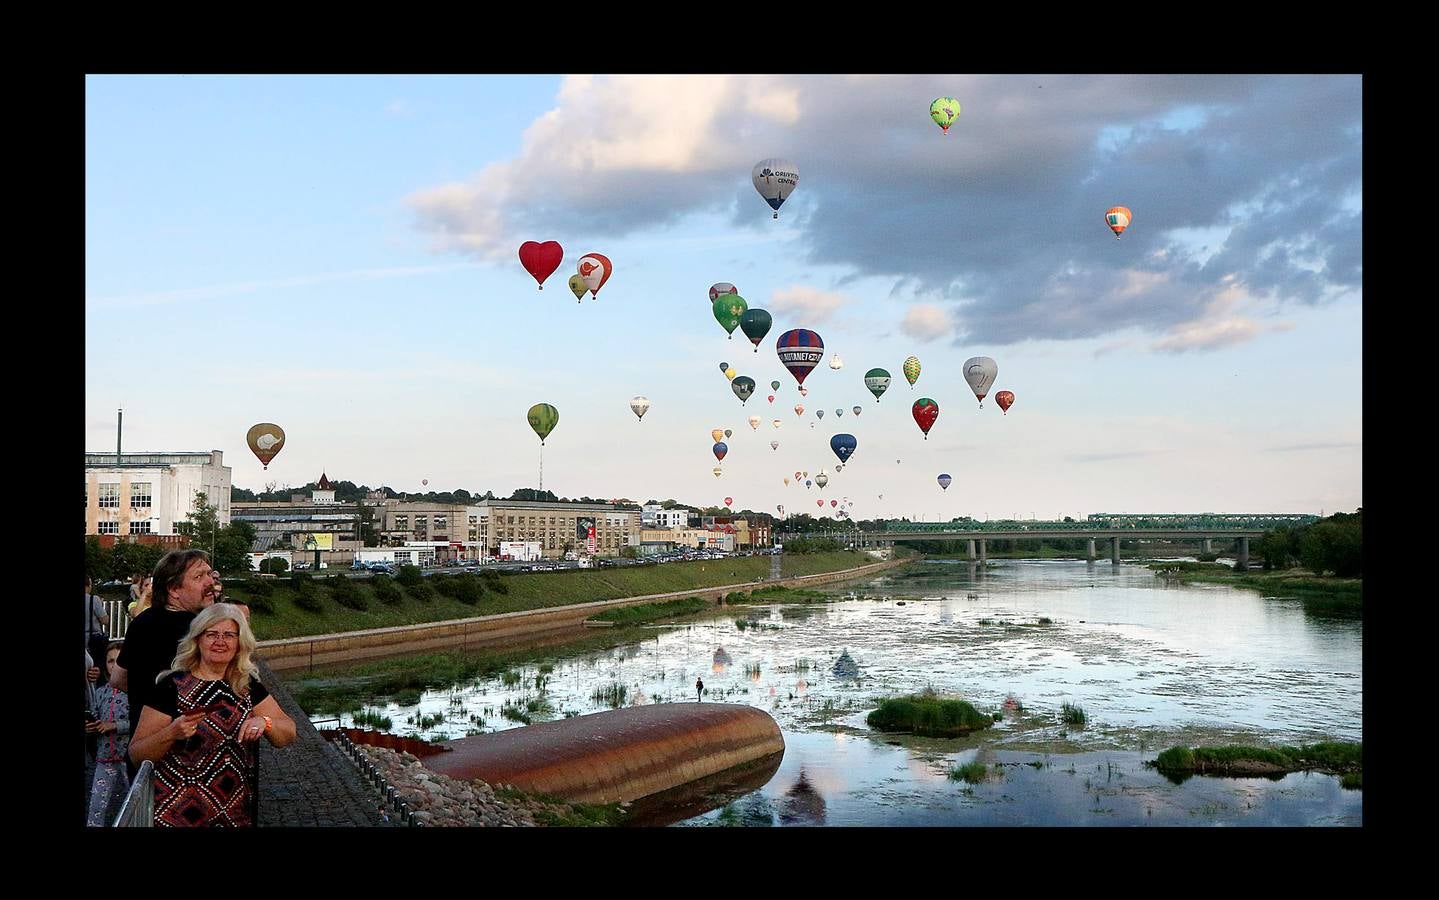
<point x="800" y="350"/>
<point x="1118" y="219"/>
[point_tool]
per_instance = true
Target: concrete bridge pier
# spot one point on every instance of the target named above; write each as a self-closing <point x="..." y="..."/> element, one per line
<point x="1208" y="545"/>
<point x="1243" y="553"/>
<point x="1114" y="550"/>
<point x="1090" y="555"/>
<point x="983" y="552"/>
<point x="971" y="549"/>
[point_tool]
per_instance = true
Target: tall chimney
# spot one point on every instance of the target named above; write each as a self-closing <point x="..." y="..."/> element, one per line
<point x="119" y="422"/>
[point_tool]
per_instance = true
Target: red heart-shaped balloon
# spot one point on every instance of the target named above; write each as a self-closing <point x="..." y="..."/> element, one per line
<point x="541" y="260"/>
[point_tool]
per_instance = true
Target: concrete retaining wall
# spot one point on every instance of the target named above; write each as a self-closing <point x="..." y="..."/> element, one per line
<point x="289" y="654"/>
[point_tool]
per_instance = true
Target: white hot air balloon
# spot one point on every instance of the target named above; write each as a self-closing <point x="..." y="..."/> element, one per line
<point x="754" y="422"/>
<point x="776" y="422"/>
<point x="980" y="372"/>
<point x="774" y="445"/>
<point x="640" y="405"/>
<point x="775" y="179"/>
<point x="835" y="362"/>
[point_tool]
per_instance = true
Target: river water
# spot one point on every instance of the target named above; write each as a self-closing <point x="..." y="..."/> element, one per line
<point x="1153" y="664"/>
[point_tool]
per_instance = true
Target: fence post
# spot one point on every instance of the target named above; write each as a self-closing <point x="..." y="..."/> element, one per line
<point x="138" y="811"/>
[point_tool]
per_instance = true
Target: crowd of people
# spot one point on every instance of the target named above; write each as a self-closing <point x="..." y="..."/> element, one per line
<point x="182" y="691"/>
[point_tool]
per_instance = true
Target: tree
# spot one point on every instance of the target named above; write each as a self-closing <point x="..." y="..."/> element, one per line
<point x="97" y="561"/>
<point x="532" y="494"/>
<point x="228" y="546"/>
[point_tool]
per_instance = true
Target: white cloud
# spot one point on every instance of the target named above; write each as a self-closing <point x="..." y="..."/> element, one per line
<point x="1220" y="326"/>
<point x="807" y="303"/>
<point x="926" y="322"/>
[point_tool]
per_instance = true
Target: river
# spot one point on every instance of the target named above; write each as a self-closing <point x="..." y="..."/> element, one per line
<point x="1152" y="663"/>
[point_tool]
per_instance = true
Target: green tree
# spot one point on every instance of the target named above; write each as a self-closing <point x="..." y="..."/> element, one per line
<point x="97" y="560"/>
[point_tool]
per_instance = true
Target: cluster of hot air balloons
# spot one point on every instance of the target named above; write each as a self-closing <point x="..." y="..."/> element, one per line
<point x="541" y="260"/>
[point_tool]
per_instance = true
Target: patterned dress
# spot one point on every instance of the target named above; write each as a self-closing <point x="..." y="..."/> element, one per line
<point x="208" y="780"/>
<point x="111" y="781"/>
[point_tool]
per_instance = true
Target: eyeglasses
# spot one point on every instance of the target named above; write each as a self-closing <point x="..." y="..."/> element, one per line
<point x="228" y="637"/>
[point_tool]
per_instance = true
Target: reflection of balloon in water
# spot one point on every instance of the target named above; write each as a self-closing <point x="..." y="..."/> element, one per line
<point x="721" y="287"/>
<point x="775" y="179"/>
<point x="1005" y="399"/>
<point x="1118" y="219"/>
<point x="727" y="311"/>
<point x="857" y="410"/>
<point x="717" y="434"/>
<point x="543" y="418"/>
<point x="944" y="111"/>
<point x="743" y="387"/>
<point x="595" y="270"/>
<point x="720" y="449"/>
<point x="944" y="481"/>
<point x="639" y="406"/>
<point x="980" y="372"/>
<point x="541" y="260"/>
<point x="925" y="412"/>
<point x="265" y="439"/>
<point x="754" y="422"/>
<point x="877" y="380"/>
<point x="800" y="350"/>
<point x="843" y="445"/>
<point x="577" y="287"/>
<point x="755" y="323"/>
<point x="774" y="445"/>
<point x="911" y="370"/>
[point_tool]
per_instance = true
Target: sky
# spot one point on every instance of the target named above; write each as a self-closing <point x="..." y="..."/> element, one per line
<point x="338" y="255"/>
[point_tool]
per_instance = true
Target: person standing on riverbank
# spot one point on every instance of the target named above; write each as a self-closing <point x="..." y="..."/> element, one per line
<point x="699" y="690"/>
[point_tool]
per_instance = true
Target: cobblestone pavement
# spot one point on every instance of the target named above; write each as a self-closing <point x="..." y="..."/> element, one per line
<point x="310" y="783"/>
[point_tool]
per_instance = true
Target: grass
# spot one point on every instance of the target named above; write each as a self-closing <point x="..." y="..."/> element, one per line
<point x="1070" y="714"/>
<point x="612" y="695"/>
<point x="1317" y="593"/>
<point x="649" y="612"/>
<point x="510" y="678"/>
<point x="1329" y="756"/>
<point x="927" y="715"/>
<point x="372" y="719"/>
<point x="970" y="773"/>
<point x="781" y="594"/>
<point x="297" y="610"/>
<point x="556" y="813"/>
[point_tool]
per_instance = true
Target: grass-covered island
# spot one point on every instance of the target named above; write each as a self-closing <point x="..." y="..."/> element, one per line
<point x="1337" y="758"/>
<point x="928" y="715"/>
<point x="1320" y="593"/>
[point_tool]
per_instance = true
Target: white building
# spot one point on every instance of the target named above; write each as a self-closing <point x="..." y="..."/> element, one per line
<point x="150" y="493"/>
<point x="672" y="518"/>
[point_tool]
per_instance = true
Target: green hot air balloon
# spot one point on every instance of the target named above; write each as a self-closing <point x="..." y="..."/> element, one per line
<point x="877" y="380"/>
<point x="774" y="385"/>
<point x="543" y="419"/>
<point x="743" y="387"/>
<point x="728" y="308"/>
<point x="755" y="324"/>
<point x="577" y="286"/>
<point x="944" y="112"/>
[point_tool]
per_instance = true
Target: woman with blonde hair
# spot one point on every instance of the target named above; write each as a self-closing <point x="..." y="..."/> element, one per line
<point x="202" y="725"/>
<point x="142" y="598"/>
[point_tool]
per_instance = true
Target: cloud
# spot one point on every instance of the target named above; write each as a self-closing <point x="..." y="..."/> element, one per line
<point x="1254" y="181"/>
<point x="807" y="304"/>
<point x="1219" y="326"/>
<point x="926" y="322"/>
<point x="216" y="291"/>
<point x="1297" y="448"/>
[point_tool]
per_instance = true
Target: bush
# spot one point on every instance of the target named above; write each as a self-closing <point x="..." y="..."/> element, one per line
<point x="257" y="587"/>
<point x="346" y="592"/>
<point x="275" y="565"/>
<point x="464" y="588"/>
<point x="306" y="597"/>
<point x="1175" y="759"/>
<point x="409" y="575"/>
<point x="385" y="588"/>
<point x="1070" y="714"/>
<point x="422" y="591"/>
<point x="928" y="716"/>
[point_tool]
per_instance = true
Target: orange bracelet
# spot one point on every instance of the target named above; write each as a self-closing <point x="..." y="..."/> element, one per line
<point x="268" y="724"/>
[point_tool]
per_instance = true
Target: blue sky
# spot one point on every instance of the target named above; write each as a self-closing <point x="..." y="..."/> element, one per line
<point x="338" y="255"/>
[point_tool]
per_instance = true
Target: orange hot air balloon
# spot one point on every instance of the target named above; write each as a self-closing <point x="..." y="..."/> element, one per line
<point x="265" y="439"/>
<point x="1005" y="399"/>
<point x="1118" y="219"/>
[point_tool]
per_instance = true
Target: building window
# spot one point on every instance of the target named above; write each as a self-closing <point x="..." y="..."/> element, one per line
<point x="139" y="526"/>
<point x="109" y="528"/>
<point x="140" y="496"/>
<point x="402" y="523"/>
<point x="509" y="520"/>
<point x="442" y="522"/>
<point x="474" y="520"/>
<point x="422" y="523"/>
<point x="110" y="497"/>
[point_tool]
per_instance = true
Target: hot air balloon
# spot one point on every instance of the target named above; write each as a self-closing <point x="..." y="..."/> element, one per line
<point x="718" y="471"/>
<point x="911" y="370"/>
<point x="819" y="503"/>
<point x="771" y="398"/>
<point x="944" y="481"/>
<point x="755" y="323"/>
<point x="1118" y="219"/>
<point x="821" y="479"/>
<point x="797" y="476"/>
<point x="843" y="445"/>
<point x="806" y="474"/>
<point x="980" y="372"/>
<point x="833" y="503"/>
<point x="265" y="439"/>
<point x="780" y="507"/>
<point x="722" y="287"/>
<point x="639" y="406"/>
<point x="839" y="412"/>
<point x="424" y="481"/>
<point x="543" y="419"/>
<point x="754" y="422"/>
<point x="774" y="445"/>
<point x="577" y="287"/>
<point x="731" y="372"/>
<point x="944" y="111"/>
<point x="877" y="380"/>
<point x="728" y="501"/>
<point x="743" y="387"/>
<point x="776" y="422"/>
<point x="925" y="411"/>
<point x="595" y="270"/>
<point x="774" y="385"/>
<point x="541" y="260"/>
<point x="807" y="483"/>
<point x="724" y="367"/>
<point x="804" y="392"/>
<point x="798" y="409"/>
<point x="728" y="433"/>
<point x="728" y="309"/>
<point x="1005" y="399"/>
<point x="717" y="434"/>
<point x="775" y="179"/>
<point x="786" y="482"/>
<point x="857" y="410"/>
<point x="839" y="467"/>
<point x="835" y="362"/>
<point x="720" y="449"/>
<point x="819" y="413"/>
<point x="800" y="350"/>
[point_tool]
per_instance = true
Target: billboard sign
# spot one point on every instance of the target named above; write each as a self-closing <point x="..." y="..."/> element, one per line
<point x="585" y="531"/>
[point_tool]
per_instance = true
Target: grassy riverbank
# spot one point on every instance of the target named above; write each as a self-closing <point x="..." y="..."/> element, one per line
<point x="928" y="715"/>
<point x="1326" y="593"/>
<point x="281" y="609"/>
<point x="1334" y="757"/>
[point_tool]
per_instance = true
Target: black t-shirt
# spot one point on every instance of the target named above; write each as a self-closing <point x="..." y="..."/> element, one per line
<point x="150" y="645"/>
<point x="166" y="696"/>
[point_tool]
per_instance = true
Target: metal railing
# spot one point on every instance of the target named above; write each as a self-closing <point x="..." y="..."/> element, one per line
<point x="119" y="618"/>
<point x="138" y="810"/>
<point x="389" y="797"/>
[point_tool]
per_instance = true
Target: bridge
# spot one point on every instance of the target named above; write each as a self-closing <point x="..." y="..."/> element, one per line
<point x="1203" y="527"/>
